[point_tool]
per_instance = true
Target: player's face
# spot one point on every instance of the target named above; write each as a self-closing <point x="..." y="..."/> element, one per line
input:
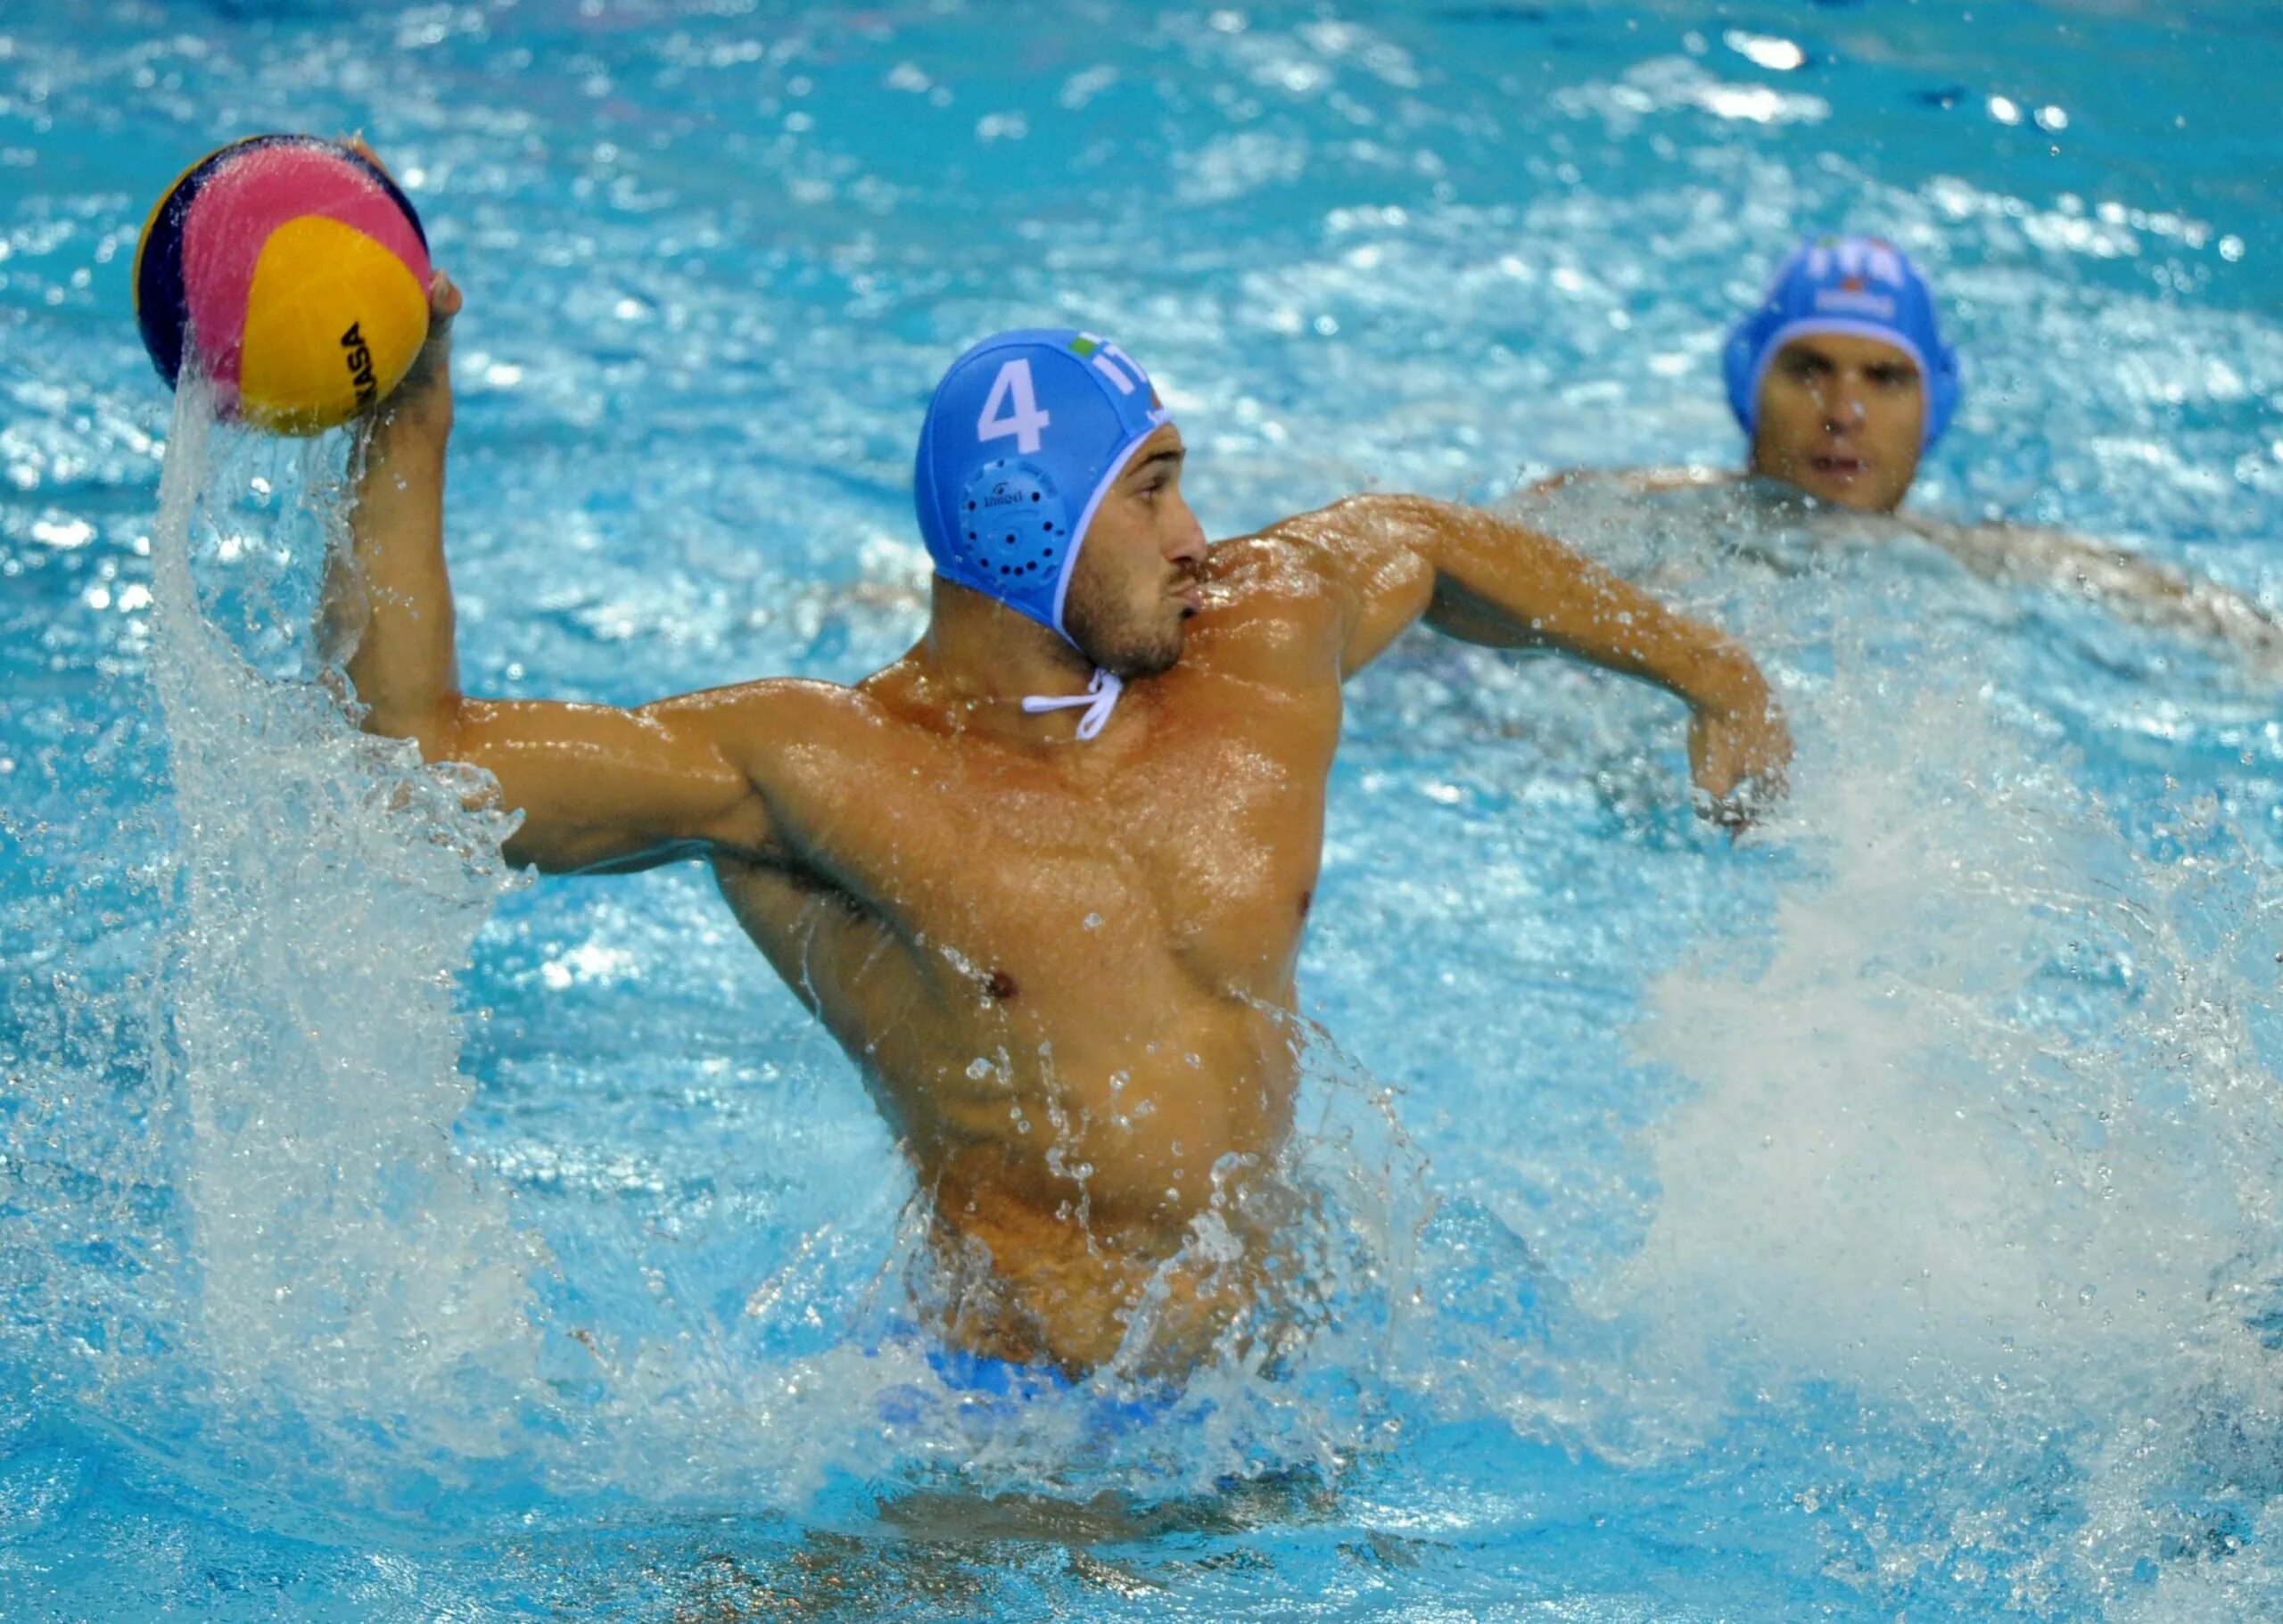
<point x="1139" y="566"/>
<point x="1842" y="417"/>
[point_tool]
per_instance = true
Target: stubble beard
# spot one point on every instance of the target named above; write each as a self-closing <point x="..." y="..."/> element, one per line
<point x="1124" y="644"/>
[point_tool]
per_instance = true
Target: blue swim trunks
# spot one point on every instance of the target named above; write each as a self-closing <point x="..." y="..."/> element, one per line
<point x="982" y="1385"/>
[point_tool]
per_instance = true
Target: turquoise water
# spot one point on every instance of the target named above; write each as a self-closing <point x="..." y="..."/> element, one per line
<point x="1873" y="1217"/>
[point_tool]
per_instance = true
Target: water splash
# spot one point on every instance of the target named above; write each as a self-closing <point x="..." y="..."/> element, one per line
<point x="352" y="1270"/>
<point x="1302" y="1372"/>
<point x="1977" y="1117"/>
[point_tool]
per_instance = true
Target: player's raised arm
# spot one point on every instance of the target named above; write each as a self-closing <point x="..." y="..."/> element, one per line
<point x="1394" y="559"/>
<point x="600" y="788"/>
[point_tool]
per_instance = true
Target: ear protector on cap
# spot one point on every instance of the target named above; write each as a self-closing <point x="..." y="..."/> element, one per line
<point x="1012" y="522"/>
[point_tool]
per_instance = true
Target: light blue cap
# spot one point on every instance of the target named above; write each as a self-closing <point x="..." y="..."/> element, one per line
<point x="1861" y="285"/>
<point x="1022" y="439"/>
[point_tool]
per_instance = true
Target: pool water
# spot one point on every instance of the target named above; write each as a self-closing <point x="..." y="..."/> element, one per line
<point x="1872" y="1217"/>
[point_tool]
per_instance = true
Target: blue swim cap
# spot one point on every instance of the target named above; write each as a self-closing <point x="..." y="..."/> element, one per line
<point x="1862" y="285"/>
<point x="1022" y="439"/>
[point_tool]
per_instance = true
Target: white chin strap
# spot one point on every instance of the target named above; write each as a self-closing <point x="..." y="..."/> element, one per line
<point x="1100" y="698"/>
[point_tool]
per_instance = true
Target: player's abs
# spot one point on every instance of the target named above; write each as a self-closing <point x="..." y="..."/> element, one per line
<point x="1065" y="1200"/>
<point x="1071" y="1106"/>
<point x="1068" y="1147"/>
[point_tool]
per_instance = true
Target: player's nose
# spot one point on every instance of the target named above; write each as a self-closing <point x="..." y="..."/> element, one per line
<point x="1186" y="545"/>
<point x="1844" y="407"/>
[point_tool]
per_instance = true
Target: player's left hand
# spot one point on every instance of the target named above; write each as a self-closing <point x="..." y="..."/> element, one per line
<point x="1740" y="754"/>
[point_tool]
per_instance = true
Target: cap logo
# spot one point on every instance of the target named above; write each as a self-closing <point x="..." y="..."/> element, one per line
<point x="1855" y="302"/>
<point x="1855" y="260"/>
<point x="1125" y="376"/>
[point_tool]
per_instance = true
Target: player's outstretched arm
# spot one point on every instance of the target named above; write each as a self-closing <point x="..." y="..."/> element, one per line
<point x="2134" y="588"/>
<point x="600" y="788"/>
<point x="1395" y="559"/>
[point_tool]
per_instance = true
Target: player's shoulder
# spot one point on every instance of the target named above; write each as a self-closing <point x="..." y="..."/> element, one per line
<point x="1272" y="611"/>
<point x="1325" y="550"/>
<point x="1265" y="565"/>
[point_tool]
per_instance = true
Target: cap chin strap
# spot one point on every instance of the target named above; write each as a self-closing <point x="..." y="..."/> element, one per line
<point x="1100" y="698"/>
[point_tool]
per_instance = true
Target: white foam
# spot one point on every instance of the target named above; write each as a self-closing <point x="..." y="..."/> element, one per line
<point x="1973" y="1129"/>
<point x="352" y="1269"/>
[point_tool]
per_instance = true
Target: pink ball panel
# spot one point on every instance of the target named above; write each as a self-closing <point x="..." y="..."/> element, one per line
<point x="237" y="209"/>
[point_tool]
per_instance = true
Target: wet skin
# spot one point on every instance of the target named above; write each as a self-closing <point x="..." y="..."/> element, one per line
<point x="1842" y="417"/>
<point x="1065" y="968"/>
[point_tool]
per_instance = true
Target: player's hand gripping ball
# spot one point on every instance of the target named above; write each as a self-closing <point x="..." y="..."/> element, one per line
<point x="293" y="274"/>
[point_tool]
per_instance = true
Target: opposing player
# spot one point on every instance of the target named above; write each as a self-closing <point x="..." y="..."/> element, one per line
<point x="1840" y="380"/>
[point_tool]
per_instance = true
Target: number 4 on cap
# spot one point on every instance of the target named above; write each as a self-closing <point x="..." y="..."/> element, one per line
<point x="1023" y="420"/>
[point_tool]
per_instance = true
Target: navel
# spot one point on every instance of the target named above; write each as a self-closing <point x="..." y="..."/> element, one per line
<point x="1307" y="901"/>
<point x="1000" y="988"/>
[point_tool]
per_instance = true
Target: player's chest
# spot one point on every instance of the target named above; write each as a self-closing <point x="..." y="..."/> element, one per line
<point x="1201" y="836"/>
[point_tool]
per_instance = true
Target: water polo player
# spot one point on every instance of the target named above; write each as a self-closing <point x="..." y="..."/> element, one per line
<point x="1841" y="380"/>
<point x="1044" y="878"/>
<point x="1839" y="377"/>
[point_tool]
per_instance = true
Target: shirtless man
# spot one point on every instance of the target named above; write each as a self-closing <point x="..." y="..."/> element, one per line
<point x="1841" y="380"/>
<point x="1044" y="878"/>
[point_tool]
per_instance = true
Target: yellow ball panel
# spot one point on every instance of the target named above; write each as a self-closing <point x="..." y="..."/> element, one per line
<point x="334" y="321"/>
